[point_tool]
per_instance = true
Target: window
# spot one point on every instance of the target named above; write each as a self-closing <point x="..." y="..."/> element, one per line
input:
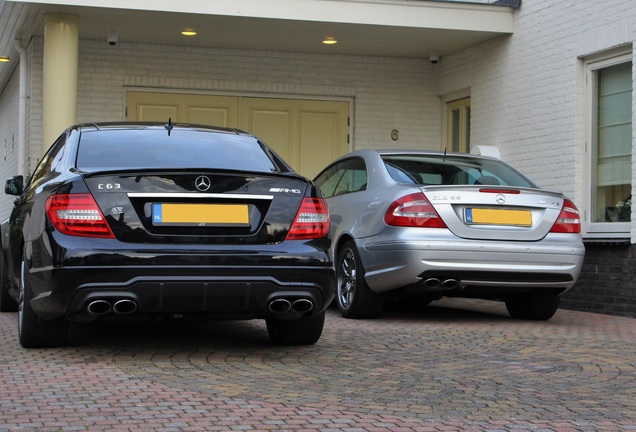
<point x="155" y="148"/>
<point x="344" y="177"/>
<point x="459" y="126"/>
<point x="610" y="145"/>
<point x="46" y="167"/>
<point x="452" y="170"/>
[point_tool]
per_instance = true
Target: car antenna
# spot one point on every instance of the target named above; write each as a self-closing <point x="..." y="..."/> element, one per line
<point x="444" y="159"/>
<point x="169" y="126"/>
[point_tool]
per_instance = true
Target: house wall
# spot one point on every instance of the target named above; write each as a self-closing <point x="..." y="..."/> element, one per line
<point x="528" y="97"/>
<point x="9" y="97"/>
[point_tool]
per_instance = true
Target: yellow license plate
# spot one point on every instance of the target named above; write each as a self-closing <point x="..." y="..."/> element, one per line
<point x="200" y="214"/>
<point x="484" y="216"/>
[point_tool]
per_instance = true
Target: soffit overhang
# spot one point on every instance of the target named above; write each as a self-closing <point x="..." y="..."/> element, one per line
<point x="398" y="28"/>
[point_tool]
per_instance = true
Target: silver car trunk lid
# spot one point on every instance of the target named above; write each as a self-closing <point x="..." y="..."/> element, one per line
<point x="496" y="212"/>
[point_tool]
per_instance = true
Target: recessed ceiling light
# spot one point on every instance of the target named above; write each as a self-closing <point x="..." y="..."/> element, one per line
<point x="4" y="59"/>
<point x="329" y="41"/>
<point x="188" y="32"/>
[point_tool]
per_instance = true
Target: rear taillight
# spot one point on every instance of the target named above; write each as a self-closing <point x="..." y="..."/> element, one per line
<point x="77" y="215"/>
<point x="413" y="210"/>
<point x="312" y="220"/>
<point x="569" y="220"/>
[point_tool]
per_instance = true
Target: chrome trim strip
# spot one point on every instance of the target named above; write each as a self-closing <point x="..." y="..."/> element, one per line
<point x="197" y="195"/>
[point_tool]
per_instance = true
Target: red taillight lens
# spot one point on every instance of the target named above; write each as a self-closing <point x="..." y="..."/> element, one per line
<point x="413" y="210"/>
<point x="77" y="215"/>
<point x="569" y="220"/>
<point x="312" y="220"/>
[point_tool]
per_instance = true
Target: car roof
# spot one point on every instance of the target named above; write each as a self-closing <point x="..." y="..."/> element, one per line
<point x="97" y="126"/>
<point x="437" y="153"/>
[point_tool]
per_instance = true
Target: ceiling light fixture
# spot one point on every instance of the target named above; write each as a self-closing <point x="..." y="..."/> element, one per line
<point x="4" y="59"/>
<point x="188" y="32"/>
<point x="329" y="41"/>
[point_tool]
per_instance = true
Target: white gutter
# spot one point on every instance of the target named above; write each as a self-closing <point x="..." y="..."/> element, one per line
<point x="22" y="108"/>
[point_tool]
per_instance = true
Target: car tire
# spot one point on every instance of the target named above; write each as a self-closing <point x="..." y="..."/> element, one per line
<point x="354" y="297"/>
<point x="34" y="332"/>
<point x="7" y="303"/>
<point x="536" y="307"/>
<point x="301" y="331"/>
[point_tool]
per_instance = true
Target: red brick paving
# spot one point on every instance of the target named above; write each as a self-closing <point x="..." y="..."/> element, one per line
<point x="453" y="366"/>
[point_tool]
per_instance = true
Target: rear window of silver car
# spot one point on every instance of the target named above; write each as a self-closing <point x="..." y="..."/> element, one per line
<point x="149" y="148"/>
<point x="452" y="170"/>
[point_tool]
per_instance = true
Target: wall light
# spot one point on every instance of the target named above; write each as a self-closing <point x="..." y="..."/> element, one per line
<point x="329" y="41"/>
<point x="188" y="32"/>
<point x="4" y="59"/>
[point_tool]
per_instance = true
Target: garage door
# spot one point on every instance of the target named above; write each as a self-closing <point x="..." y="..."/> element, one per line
<point x="308" y="134"/>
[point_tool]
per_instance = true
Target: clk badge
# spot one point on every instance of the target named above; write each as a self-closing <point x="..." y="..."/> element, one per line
<point x="202" y="183"/>
<point x="500" y="199"/>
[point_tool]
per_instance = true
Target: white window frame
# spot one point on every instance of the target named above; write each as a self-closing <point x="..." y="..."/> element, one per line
<point x="609" y="230"/>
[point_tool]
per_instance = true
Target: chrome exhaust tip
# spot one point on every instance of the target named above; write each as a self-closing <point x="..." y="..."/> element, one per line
<point x="124" y="307"/>
<point x="432" y="283"/>
<point x="302" y="305"/>
<point x="99" y="307"/>
<point x="450" y="283"/>
<point x="280" y="305"/>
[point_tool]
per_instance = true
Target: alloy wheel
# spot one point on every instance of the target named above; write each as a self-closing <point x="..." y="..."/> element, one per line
<point x="347" y="279"/>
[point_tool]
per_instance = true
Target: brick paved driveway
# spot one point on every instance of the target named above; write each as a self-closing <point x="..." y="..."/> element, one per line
<point x="457" y="366"/>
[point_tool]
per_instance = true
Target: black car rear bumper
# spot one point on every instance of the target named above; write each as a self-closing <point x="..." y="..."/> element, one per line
<point x="287" y="280"/>
<point x="239" y="293"/>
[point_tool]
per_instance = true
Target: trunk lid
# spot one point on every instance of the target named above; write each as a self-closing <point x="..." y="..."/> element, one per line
<point x="198" y="207"/>
<point x="496" y="212"/>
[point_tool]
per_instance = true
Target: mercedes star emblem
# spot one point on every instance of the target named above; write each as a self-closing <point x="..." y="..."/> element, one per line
<point x="202" y="183"/>
<point x="501" y="199"/>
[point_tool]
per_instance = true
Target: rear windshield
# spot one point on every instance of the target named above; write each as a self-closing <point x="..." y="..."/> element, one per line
<point x="117" y="149"/>
<point x="452" y="170"/>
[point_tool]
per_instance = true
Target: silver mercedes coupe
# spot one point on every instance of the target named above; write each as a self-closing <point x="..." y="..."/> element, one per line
<point x="426" y="225"/>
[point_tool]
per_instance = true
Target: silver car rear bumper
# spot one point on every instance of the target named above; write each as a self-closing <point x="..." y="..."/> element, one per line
<point x="554" y="262"/>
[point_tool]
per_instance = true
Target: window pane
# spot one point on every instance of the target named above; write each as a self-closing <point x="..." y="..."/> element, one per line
<point x="612" y="146"/>
<point x="155" y="148"/>
<point x="455" y="128"/>
<point x="467" y="139"/>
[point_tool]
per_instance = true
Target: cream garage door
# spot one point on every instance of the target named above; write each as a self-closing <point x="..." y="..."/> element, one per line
<point x="308" y="134"/>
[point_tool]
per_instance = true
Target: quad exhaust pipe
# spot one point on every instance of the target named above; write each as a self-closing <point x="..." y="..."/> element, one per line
<point x="281" y="305"/>
<point x="120" y="307"/>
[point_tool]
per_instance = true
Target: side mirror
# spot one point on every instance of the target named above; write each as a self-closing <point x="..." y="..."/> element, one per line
<point x="14" y="186"/>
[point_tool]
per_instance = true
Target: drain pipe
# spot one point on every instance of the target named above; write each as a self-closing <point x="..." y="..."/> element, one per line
<point x="22" y="128"/>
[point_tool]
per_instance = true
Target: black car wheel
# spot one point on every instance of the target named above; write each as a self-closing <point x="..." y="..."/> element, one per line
<point x="7" y="303"/>
<point x="536" y="307"/>
<point x="355" y="299"/>
<point x="301" y="331"/>
<point x="34" y="332"/>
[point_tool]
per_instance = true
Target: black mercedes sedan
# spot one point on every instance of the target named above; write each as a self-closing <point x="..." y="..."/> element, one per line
<point x="158" y="220"/>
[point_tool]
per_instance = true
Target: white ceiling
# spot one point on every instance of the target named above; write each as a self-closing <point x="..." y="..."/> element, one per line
<point x="394" y="28"/>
